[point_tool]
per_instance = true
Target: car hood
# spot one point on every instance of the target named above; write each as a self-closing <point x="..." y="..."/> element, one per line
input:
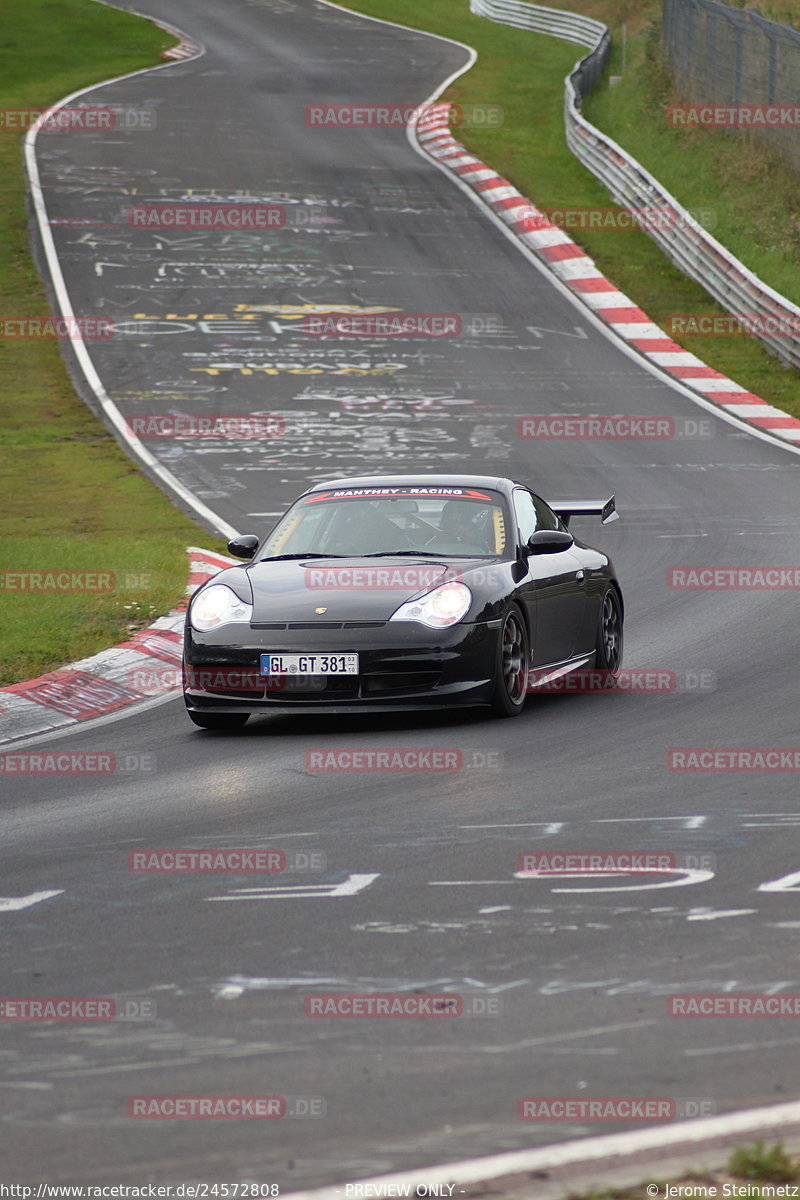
<point x="345" y="589"/>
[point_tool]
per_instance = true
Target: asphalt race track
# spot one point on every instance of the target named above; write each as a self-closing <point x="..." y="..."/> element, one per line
<point x="575" y="982"/>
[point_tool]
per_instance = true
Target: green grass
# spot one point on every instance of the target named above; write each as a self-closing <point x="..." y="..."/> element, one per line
<point x="754" y="192"/>
<point x="757" y="1164"/>
<point x="69" y="496"/>
<point x="764" y="1163"/>
<point x="524" y="72"/>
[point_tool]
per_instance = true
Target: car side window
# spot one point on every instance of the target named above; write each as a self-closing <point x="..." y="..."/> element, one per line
<point x="525" y="511"/>
<point x="545" y="517"/>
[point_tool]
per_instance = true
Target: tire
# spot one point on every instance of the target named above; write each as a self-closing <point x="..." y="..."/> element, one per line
<point x="220" y="721"/>
<point x="512" y="666"/>
<point x="608" y="646"/>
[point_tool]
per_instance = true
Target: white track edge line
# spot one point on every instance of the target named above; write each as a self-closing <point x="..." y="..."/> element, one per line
<point x="464" y="1170"/>
<point x="579" y="1150"/>
<point x="582" y="1150"/>
<point x="61" y="731"/>
<point x="574" y="297"/>
<point x="606" y="329"/>
<point x="107" y="405"/>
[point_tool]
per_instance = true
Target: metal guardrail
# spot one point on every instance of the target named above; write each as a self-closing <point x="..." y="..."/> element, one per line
<point x="680" y="236"/>
<point x="572" y="27"/>
<point x="733" y="56"/>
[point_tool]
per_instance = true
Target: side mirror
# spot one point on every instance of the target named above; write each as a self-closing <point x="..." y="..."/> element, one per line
<point x="549" y="541"/>
<point x="244" y="546"/>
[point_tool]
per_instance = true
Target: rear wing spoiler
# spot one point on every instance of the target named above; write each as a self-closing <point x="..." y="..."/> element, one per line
<point x="606" y="510"/>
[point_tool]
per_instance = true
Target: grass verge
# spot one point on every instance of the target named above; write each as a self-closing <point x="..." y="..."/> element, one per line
<point x="750" y="193"/>
<point x="752" y="1172"/>
<point x="757" y="1172"/>
<point x="70" y="497"/>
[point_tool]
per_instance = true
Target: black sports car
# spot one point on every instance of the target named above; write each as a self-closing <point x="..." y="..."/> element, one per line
<point x="402" y="592"/>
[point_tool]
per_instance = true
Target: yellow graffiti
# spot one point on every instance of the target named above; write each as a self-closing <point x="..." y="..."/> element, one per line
<point x="303" y="370"/>
<point x="192" y="317"/>
<point x="296" y="312"/>
<point x="252" y="312"/>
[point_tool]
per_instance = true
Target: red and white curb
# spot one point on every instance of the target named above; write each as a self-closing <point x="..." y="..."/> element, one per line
<point x="184" y="49"/>
<point x="577" y="271"/>
<point x="146" y="665"/>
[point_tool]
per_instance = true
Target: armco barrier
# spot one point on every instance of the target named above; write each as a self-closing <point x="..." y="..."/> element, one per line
<point x="572" y="27"/>
<point x="690" y="247"/>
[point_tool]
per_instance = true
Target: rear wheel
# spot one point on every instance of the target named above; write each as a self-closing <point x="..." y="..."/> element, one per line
<point x="608" y="647"/>
<point x="511" y="669"/>
<point x="221" y="721"/>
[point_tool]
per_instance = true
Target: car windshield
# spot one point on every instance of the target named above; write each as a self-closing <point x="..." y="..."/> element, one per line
<point x="453" y="521"/>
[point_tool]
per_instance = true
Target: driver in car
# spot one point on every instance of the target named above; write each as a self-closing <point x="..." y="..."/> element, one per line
<point x="457" y="525"/>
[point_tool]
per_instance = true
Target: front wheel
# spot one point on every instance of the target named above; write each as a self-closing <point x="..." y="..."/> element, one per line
<point x="511" y="668"/>
<point x="220" y="721"/>
<point x="608" y="647"/>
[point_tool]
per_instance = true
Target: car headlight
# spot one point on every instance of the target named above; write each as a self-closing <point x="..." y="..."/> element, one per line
<point x="438" y="609"/>
<point x="217" y="605"/>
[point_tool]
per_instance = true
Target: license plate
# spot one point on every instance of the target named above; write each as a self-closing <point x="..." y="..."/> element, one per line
<point x="309" y="664"/>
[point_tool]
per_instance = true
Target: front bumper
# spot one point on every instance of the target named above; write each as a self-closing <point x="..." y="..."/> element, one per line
<point x="403" y="666"/>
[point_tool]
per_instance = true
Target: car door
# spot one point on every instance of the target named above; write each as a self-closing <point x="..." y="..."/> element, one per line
<point x="525" y="520"/>
<point x="554" y="584"/>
